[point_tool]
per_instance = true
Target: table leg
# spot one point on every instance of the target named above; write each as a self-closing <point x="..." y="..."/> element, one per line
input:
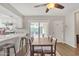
<point x="32" y="50"/>
<point x="26" y="44"/>
<point x="8" y="52"/>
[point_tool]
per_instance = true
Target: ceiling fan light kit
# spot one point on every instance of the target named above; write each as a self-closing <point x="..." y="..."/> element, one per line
<point x="51" y="6"/>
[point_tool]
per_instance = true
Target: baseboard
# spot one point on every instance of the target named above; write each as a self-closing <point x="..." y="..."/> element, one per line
<point x="71" y="45"/>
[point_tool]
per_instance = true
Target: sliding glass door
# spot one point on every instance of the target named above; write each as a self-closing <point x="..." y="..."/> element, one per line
<point x="34" y="29"/>
<point x="43" y="29"/>
<point x="39" y="29"/>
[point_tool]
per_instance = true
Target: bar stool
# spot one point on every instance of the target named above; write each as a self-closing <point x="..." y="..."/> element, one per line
<point x="1" y="49"/>
<point x="7" y="47"/>
<point x="23" y="39"/>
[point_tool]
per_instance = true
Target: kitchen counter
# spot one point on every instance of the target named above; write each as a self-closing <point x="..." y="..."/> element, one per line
<point x="10" y="36"/>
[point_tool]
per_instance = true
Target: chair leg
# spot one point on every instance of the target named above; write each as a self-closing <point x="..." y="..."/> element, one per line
<point x="54" y="54"/>
<point x="4" y="52"/>
<point x="8" y="52"/>
<point x="14" y="50"/>
<point x="26" y="45"/>
<point x="42" y="54"/>
<point x="20" y="45"/>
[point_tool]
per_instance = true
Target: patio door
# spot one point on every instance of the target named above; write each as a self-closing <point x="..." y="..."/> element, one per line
<point x="38" y="29"/>
<point x="43" y="29"/>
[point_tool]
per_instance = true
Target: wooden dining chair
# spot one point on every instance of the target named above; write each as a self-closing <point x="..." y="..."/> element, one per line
<point x="24" y="41"/>
<point x="50" y="38"/>
<point x="54" y="46"/>
<point x="6" y="48"/>
<point x="38" y="50"/>
<point x="48" y="49"/>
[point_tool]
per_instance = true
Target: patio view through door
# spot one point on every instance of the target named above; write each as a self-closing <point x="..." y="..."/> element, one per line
<point x="38" y="29"/>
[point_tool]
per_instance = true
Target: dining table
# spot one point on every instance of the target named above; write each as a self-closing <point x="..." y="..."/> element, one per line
<point x="43" y="42"/>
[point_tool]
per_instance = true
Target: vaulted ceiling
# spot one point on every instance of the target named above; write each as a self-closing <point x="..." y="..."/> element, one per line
<point x="27" y="9"/>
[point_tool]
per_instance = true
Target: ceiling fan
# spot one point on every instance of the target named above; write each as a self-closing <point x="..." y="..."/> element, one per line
<point x="50" y="6"/>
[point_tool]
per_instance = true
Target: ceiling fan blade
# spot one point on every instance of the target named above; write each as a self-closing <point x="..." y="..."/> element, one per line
<point x="59" y="6"/>
<point x="47" y="10"/>
<point x="41" y="5"/>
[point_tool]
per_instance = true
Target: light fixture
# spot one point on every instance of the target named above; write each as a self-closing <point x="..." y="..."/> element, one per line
<point x="50" y="5"/>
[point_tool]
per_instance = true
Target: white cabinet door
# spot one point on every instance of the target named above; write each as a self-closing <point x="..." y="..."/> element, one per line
<point x="58" y="30"/>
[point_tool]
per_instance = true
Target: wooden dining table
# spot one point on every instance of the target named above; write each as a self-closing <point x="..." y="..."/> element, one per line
<point x="44" y="42"/>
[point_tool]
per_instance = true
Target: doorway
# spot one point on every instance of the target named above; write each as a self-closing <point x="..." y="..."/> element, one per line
<point x="77" y="28"/>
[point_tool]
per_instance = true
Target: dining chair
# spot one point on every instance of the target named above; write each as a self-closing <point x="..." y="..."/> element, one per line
<point x="24" y="41"/>
<point x="6" y="48"/>
<point x="38" y="50"/>
<point x="50" y="38"/>
<point x="47" y="50"/>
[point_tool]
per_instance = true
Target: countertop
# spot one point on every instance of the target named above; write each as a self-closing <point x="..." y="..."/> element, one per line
<point x="10" y="36"/>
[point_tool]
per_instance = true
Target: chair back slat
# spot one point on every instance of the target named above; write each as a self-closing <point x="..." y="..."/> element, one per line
<point x="50" y="38"/>
<point x="30" y="42"/>
<point x="54" y="44"/>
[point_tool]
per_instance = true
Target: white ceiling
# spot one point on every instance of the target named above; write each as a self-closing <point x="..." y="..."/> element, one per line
<point x="27" y="9"/>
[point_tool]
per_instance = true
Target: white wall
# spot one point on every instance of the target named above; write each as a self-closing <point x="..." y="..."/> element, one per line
<point x="70" y="30"/>
<point x="69" y="27"/>
<point x="77" y="22"/>
<point x="50" y="19"/>
<point x="7" y="16"/>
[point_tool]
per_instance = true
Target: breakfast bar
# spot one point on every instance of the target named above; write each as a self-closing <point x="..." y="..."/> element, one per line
<point x="12" y="38"/>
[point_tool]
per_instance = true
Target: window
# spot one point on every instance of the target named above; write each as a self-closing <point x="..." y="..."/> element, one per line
<point x="39" y="29"/>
